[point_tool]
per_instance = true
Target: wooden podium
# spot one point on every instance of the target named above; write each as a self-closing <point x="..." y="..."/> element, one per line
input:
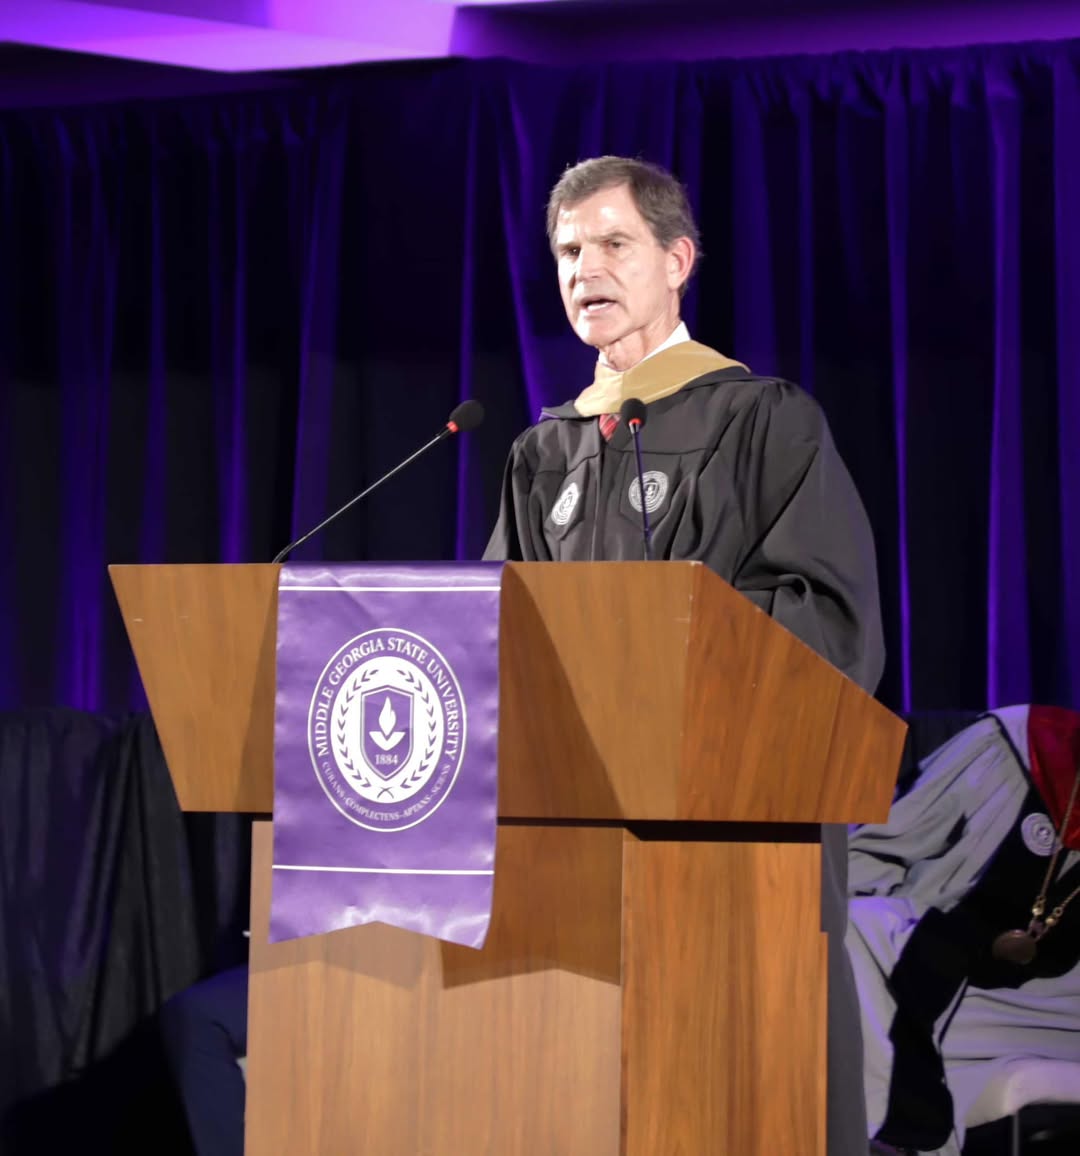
<point x="654" y="978"/>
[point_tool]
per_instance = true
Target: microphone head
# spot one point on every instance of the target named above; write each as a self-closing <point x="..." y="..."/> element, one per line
<point x="465" y="417"/>
<point x="632" y="411"/>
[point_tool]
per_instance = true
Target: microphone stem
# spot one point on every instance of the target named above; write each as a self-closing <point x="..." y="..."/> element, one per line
<point x="646" y="530"/>
<point x="443" y="433"/>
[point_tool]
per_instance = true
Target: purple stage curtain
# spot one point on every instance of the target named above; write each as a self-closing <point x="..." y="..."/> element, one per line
<point x="222" y="315"/>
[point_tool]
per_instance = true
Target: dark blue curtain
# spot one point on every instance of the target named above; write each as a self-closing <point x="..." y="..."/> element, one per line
<point x="221" y="316"/>
<point x="110" y="902"/>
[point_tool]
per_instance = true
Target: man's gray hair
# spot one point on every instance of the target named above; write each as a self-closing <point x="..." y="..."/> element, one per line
<point x="660" y="198"/>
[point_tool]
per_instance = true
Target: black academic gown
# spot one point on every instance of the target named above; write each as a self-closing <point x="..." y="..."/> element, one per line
<point x="745" y="478"/>
<point x="741" y="474"/>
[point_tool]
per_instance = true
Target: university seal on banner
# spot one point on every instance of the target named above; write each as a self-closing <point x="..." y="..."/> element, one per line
<point x="386" y="729"/>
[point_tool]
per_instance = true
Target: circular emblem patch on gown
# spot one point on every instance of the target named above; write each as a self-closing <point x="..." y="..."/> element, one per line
<point x="656" y="488"/>
<point x="563" y="510"/>
<point x="1038" y="834"/>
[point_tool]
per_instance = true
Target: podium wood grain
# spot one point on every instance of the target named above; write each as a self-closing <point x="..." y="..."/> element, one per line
<point x="420" y="1047"/>
<point x="636" y="997"/>
<point x="204" y="639"/>
<point x="675" y="697"/>
<point x="633" y="999"/>
<point x="724" y="999"/>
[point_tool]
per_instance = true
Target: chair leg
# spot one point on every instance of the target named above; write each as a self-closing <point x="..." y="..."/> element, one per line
<point x="1016" y="1133"/>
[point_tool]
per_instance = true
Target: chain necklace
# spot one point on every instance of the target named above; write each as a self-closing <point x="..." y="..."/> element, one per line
<point x="1021" y="947"/>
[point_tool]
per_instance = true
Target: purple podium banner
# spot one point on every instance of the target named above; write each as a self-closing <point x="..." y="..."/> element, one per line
<point x="385" y="747"/>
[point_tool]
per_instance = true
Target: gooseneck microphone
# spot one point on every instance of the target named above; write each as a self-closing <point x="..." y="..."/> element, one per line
<point x="465" y="417"/>
<point x="634" y="414"/>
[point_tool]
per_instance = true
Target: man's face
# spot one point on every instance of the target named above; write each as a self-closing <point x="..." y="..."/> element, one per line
<point x="619" y="287"/>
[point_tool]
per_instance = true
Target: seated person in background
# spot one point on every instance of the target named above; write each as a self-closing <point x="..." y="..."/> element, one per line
<point x="964" y="924"/>
<point x="204" y="1033"/>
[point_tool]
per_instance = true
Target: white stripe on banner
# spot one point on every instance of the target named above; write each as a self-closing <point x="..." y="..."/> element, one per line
<point x="394" y="589"/>
<point x="376" y="870"/>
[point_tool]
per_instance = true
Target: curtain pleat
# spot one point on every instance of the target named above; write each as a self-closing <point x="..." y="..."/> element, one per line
<point x="224" y="317"/>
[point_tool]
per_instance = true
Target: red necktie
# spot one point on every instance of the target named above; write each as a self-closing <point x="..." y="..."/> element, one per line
<point x="607" y="423"/>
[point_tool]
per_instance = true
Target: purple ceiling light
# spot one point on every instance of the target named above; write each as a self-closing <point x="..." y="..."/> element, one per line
<point x="232" y="36"/>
